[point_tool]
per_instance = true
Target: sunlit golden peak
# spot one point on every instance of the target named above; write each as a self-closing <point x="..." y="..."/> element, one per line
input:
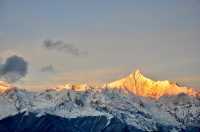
<point x="4" y="86"/>
<point x="75" y="87"/>
<point x="140" y="85"/>
<point x="136" y="83"/>
<point x="137" y="73"/>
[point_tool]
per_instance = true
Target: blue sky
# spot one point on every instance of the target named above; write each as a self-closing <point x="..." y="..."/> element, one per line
<point x="157" y="36"/>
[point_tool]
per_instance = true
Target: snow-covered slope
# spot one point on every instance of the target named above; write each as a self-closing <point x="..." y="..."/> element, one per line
<point x="178" y="112"/>
<point x="166" y="113"/>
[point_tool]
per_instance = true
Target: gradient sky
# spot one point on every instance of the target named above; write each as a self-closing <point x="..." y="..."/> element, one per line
<point x="160" y="37"/>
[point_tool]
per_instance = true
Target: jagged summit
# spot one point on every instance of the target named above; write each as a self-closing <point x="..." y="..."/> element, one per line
<point x="140" y="85"/>
<point x="137" y="73"/>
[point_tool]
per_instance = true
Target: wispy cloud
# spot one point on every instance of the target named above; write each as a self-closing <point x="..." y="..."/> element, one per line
<point x="48" y="68"/>
<point x="61" y="46"/>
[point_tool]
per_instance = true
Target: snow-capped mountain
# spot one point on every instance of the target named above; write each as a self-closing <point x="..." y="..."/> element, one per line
<point x="75" y="87"/>
<point x="140" y="110"/>
<point x="5" y="87"/>
<point x="140" y="85"/>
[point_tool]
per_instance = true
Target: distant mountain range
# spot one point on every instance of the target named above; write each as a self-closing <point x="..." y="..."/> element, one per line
<point x="132" y="104"/>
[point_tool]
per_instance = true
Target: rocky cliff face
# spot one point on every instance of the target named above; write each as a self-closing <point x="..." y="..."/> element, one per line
<point x="139" y="85"/>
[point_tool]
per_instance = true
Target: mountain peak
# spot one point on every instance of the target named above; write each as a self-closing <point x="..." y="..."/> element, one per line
<point x="140" y="85"/>
<point x="136" y="83"/>
<point x="137" y="73"/>
<point x="4" y="87"/>
<point x="75" y="87"/>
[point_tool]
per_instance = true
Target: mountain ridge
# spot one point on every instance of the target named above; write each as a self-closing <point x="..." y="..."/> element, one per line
<point x="135" y="83"/>
<point x="140" y="85"/>
<point x="178" y="113"/>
